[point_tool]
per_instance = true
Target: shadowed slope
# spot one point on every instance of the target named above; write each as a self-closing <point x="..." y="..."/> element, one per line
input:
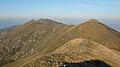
<point x="91" y="63"/>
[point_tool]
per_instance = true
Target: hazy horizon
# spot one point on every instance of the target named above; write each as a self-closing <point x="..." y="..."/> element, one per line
<point x="113" y="23"/>
<point x="17" y="12"/>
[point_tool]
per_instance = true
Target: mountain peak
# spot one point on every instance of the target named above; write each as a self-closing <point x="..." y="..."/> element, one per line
<point x="93" y="20"/>
<point x="49" y="21"/>
<point x="42" y="19"/>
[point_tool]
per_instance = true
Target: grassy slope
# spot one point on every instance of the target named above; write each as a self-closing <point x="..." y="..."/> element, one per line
<point x="93" y="31"/>
<point x="77" y="50"/>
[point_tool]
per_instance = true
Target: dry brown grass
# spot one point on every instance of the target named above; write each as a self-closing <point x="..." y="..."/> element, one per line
<point x="34" y="39"/>
<point x="75" y="51"/>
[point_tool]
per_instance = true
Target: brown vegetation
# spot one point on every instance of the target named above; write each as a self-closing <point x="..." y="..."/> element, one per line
<point x="46" y="43"/>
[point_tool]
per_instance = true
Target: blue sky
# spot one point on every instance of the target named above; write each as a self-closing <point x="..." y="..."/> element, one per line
<point x="84" y="9"/>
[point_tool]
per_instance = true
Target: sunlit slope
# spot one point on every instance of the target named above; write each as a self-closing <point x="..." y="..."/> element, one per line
<point x="77" y="50"/>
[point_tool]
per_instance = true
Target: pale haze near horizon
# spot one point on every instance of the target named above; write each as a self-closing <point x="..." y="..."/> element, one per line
<point x="16" y="12"/>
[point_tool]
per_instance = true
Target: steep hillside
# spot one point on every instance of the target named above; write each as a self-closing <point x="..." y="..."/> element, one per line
<point x="29" y="39"/>
<point x="75" y="51"/>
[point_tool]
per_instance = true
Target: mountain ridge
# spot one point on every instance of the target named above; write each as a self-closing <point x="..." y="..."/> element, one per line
<point x="37" y="38"/>
<point x="82" y="48"/>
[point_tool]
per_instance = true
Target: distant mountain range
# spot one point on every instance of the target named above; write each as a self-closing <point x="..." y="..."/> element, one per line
<point x="4" y="31"/>
<point x="9" y="28"/>
<point x="48" y="43"/>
